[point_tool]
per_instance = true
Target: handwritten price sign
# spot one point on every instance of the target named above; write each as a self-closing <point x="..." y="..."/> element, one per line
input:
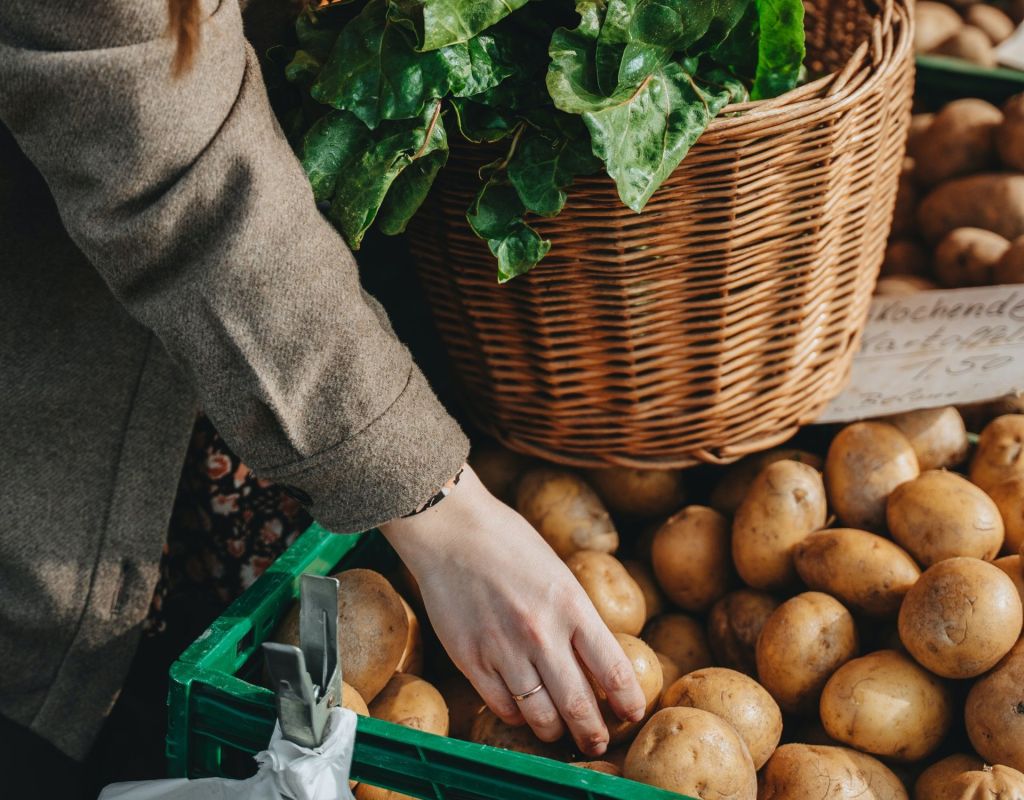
<point x="934" y="349"/>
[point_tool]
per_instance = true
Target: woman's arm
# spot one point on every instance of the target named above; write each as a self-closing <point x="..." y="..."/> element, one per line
<point x="186" y="197"/>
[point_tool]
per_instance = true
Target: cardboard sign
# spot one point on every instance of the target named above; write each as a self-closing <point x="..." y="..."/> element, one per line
<point x="935" y="349"/>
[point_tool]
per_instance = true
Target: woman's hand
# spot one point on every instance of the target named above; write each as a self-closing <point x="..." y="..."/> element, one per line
<point x="512" y="616"/>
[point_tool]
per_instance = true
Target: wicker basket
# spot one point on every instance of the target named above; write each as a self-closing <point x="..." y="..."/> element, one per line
<point x="723" y="317"/>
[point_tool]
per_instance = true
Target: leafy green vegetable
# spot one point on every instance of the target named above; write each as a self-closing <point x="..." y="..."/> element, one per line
<point x="620" y="86"/>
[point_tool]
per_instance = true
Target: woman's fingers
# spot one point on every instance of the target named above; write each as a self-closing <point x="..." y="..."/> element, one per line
<point x="495" y="694"/>
<point x="540" y="713"/>
<point x="575" y="701"/>
<point x="602" y="655"/>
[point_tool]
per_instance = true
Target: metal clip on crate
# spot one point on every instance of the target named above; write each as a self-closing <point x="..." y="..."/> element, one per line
<point x="307" y="679"/>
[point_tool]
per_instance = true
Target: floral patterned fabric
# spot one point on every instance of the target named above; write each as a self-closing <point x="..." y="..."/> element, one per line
<point x="227" y="527"/>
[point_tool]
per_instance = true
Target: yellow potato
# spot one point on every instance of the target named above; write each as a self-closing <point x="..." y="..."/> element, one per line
<point x="641" y="572"/>
<point x="566" y="511"/>
<point x="1013" y="566"/>
<point x="639" y="492"/>
<point x="690" y="556"/>
<point x="498" y="469"/>
<point x="802" y="643"/>
<point x="919" y="126"/>
<point x="1010" y="268"/>
<point x="670" y="671"/>
<point x="353" y="701"/>
<point x="903" y="285"/>
<point x="734" y="485"/>
<point x="994" y="712"/>
<point x="884" y="703"/>
<point x="410" y="701"/>
<point x="936" y="22"/>
<point x="938" y="436"/>
<point x="488" y="729"/>
<point x="993" y="201"/>
<point x="616" y="596"/>
<point x="598" y="766"/>
<point x="961" y="617"/>
<point x="692" y="752"/>
<point x="463" y="703"/>
<point x="866" y="462"/>
<point x="866" y="572"/>
<point x="785" y="503"/>
<point x="681" y="638"/>
<point x="365" y="791"/>
<point x="971" y="44"/>
<point x="809" y="772"/>
<point x="647" y="668"/>
<point x="1000" y="453"/>
<point x="933" y="781"/>
<point x="960" y="141"/>
<point x="968" y="257"/>
<point x="739" y="700"/>
<point x="735" y="623"/>
<point x="940" y="515"/>
<point x="988" y="783"/>
<point x="412" y="654"/>
<point x="993" y="21"/>
<point x="1010" y="136"/>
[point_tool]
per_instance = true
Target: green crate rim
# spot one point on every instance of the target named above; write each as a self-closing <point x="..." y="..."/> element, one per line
<point x="386" y="754"/>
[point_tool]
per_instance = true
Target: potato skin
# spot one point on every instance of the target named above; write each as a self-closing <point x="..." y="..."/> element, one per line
<point x="1000" y="453"/>
<point x="690" y="557"/>
<point x="933" y="781"/>
<point x="941" y="515"/>
<point x="961" y="141"/>
<point x="734" y="485"/>
<point x="802" y="643"/>
<point x="642" y="493"/>
<point x="998" y="27"/>
<point x="865" y="463"/>
<point x="992" y="201"/>
<point x="936" y="22"/>
<point x="739" y="700"/>
<point x="994" y="712"/>
<point x="410" y="701"/>
<point x="647" y="668"/>
<point x="971" y="44"/>
<point x="681" y="638"/>
<point x="1009" y="499"/>
<point x="806" y="771"/>
<point x="353" y="701"/>
<point x="961" y="617"/>
<point x="734" y="624"/>
<point x="1010" y="268"/>
<point x="1010" y="135"/>
<point x="968" y="256"/>
<point x="692" y="752"/>
<point x="641" y="572"/>
<point x="865" y="572"/>
<point x="981" y="783"/>
<point x="598" y="766"/>
<point x="785" y="503"/>
<point x="884" y="703"/>
<point x="938" y="436"/>
<point x="488" y="729"/>
<point x="902" y="285"/>
<point x="1013" y="566"/>
<point x="565" y="511"/>
<point x="616" y="596"/>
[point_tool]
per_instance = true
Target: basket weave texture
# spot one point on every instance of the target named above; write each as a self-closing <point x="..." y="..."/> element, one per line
<point x="723" y="317"/>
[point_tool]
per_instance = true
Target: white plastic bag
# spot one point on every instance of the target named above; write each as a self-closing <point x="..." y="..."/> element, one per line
<point x="287" y="771"/>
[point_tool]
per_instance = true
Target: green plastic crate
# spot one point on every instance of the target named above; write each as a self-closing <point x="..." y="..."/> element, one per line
<point x="219" y="716"/>
<point x="941" y="79"/>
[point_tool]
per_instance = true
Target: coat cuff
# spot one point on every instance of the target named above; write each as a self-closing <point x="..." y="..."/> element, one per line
<point x="387" y="470"/>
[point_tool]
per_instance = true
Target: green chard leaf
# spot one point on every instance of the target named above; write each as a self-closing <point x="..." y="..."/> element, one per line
<point x="315" y="35"/>
<point x="738" y="51"/>
<point x="480" y="122"/>
<point x="439" y="23"/>
<point x="409" y="191"/>
<point x="497" y="216"/>
<point x="302" y="69"/>
<point x="781" y="49"/>
<point x="332" y="143"/>
<point x="548" y="159"/>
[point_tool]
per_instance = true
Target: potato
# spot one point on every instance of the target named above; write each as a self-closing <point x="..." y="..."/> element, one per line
<point x="991" y="201"/>
<point x="905" y="208"/>
<point x="366" y="791"/>
<point x="940" y="515"/>
<point x="884" y="703"/>
<point x="978" y="415"/>
<point x="865" y="572"/>
<point x="692" y="752"/>
<point x="961" y="141"/>
<point x="463" y="704"/>
<point x="866" y="462"/>
<point x="933" y="781"/>
<point x="903" y="285"/>
<point x="410" y="701"/>
<point x="1009" y="499"/>
<point x="353" y="701"/>
<point x="498" y="469"/>
<point x="971" y="44"/>
<point x="598" y="766"/>
<point x="961" y="617"/>
<point x="734" y="485"/>
<point x="802" y="643"/>
<point x="994" y="712"/>
<point x="647" y="668"/>
<point x="936" y="22"/>
<point x="919" y="126"/>
<point x="1010" y="135"/>
<point x="785" y="503"/>
<point x="739" y="700"/>
<point x="566" y="511"/>
<point x="805" y="771"/>
<point x="968" y="256"/>
<point x="1010" y="268"/>
<point x="616" y="596"/>
<point x="998" y="27"/>
<point x="681" y="638"/>
<point x="641" y="572"/>
<point x="488" y="729"/>
<point x="670" y="671"/>
<point x="1013" y="566"/>
<point x="938" y="436"/>
<point x="735" y="623"/>
<point x="982" y="783"/>
<point x="1000" y="453"/>
<point x="690" y="556"/>
<point x="905" y="256"/>
<point x="639" y="492"/>
<point x="412" y="654"/>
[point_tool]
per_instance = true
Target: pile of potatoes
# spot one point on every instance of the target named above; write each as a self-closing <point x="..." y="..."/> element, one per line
<point x="967" y="30"/>
<point x="959" y="217"/>
<point x="840" y="622"/>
